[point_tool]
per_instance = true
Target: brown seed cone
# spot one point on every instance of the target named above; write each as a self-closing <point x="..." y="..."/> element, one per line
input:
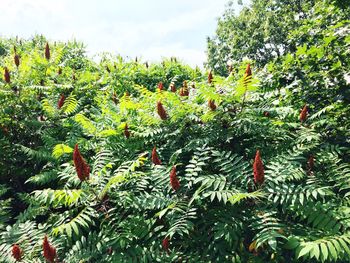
<point x="47" y="51"/>
<point x="172" y="87"/>
<point x="7" y="77"/>
<point x="161" y="111"/>
<point x="61" y="101"/>
<point x="49" y="251"/>
<point x="81" y="167"/>
<point x="174" y="182"/>
<point x="258" y="169"/>
<point x="310" y="164"/>
<point x="126" y="131"/>
<point x="248" y="71"/>
<point x="17" y="252"/>
<point x="16" y="59"/>
<point x="210" y="77"/>
<point x="184" y="92"/>
<point x="211" y="105"/>
<point x="303" y="114"/>
<point x="155" y="158"/>
<point x="160" y="86"/>
<point x="165" y="244"/>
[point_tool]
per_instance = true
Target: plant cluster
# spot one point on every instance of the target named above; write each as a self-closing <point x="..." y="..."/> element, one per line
<point x="125" y="161"/>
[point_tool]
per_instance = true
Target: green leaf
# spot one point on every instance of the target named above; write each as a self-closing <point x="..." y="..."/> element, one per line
<point x="61" y="149"/>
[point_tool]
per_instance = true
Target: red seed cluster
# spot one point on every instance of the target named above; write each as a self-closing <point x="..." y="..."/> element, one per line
<point x="49" y="251"/>
<point x="17" y="252"/>
<point x="155" y="158"/>
<point x="165" y="244"/>
<point x="161" y="111"/>
<point x="248" y="71"/>
<point x="61" y="101"/>
<point x="7" y="77"/>
<point x="126" y="131"/>
<point x="184" y="90"/>
<point x="310" y="164"/>
<point x="258" y="169"/>
<point x="160" y="86"/>
<point x="82" y="168"/>
<point x="16" y="59"/>
<point x="174" y="182"/>
<point x="47" y="51"/>
<point x="303" y="114"/>
<point x="210" y="77"/>
<point x="172" y="87"/>
<point x="211" y="105"/>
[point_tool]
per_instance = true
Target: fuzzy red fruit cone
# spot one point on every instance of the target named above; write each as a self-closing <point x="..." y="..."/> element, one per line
<point x="172" y="87"/>
<point x="303" y="114"/>
<point x="161" y="111"/>
<point x="61" y="101"/>
<point x="174" y="182"/>
<point x="81" y="167"/>
<point x="210" y="77"/>
<point x="310" y="165"/>
<point x="47" y="51"/>
<point x="311" y="162"/>
<point x="211" y="105"/>
<point x="126" y="131"/>
<point x="155" y="158"/>
<point x="7" y="77"/>
<point x="49" y="251"/>
<point x="16" y="59"/>
<point x="248" y="71"/>
<point x="165" y="245"/>
<point x="17" y="252"/>
<point x="258" y="169"/>
<point x="183" y="92"/>
<point x="160" y="86"/>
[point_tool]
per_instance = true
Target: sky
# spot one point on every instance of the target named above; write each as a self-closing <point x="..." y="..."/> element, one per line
<point x="150" y="29"/>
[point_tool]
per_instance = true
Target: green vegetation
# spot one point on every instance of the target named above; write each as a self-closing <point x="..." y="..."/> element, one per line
<point x="121" y="161"/>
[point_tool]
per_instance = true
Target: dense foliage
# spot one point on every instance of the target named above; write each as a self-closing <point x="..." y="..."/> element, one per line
<point x="121" y="161"/>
